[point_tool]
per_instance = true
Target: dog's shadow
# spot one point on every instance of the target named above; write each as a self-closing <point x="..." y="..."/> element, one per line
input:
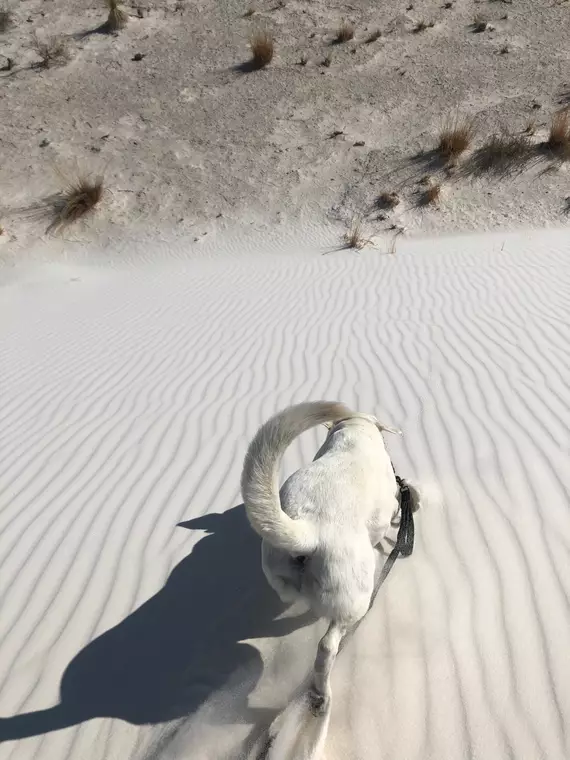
<point x="163" y="660"/>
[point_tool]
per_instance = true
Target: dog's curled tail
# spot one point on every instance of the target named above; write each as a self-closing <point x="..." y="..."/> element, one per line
<point x="260" y="475"/>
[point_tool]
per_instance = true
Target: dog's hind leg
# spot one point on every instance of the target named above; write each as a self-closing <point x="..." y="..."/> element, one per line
<point x="320" y="690"/>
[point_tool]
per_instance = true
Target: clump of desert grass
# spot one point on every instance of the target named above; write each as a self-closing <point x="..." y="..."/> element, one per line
<point x="53" y="51"/>
<point x="262" y="48"/>
<point x="354" y="237"/>
<point x="6" y="18"/>
<point x="455" y="137"/>
<point x="388" y="199"/>
<point x="118" y="17"/>
<point x="504" y="153"/>
<point x="249" y="11"/>
<point x="77" y="200"/>
<point x="344" y="33"/>
<point x="431" y="195"/>
<point x="559" y="134"/>
<point x="421" y="26"/>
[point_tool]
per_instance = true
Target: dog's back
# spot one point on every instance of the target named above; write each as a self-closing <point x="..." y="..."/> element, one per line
<point x="350" y="479"/>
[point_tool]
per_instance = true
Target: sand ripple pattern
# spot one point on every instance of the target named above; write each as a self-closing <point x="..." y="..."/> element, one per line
<point x="128" y="397"/>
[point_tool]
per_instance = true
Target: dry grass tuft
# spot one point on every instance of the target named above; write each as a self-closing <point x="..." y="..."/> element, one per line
<point x="431" y="195"/>
<point x="345" y="32"/>
<point x="54" y="51"/>
<point x="422" y="25"/>
<point x="354" y="237"/>
<point x="6" y="18"/>
<point x="261" y="44"/>
<point x="118" y="18"/>
<point x="455" y="137"/>
<point x="559" y="134"/>
<point x="388" y="200"/>
<point x="373" y="36"/>
<point x="503" y="154"/>
<point x="249" y="11"/>
<point x="77" y="200"/>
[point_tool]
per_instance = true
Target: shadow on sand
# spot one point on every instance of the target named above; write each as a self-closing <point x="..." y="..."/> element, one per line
<point x="164" y="660"/>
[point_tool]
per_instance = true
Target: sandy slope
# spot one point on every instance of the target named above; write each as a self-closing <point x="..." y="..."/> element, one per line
<point x="131" y="588"/>
<point x="186" y="140"/>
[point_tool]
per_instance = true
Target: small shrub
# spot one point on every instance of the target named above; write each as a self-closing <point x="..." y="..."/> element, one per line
<point x="345" y="32"/>
<point x="353" y="237"/>
<point x="559" y="134"/>
<point x="249" y="12"/>
<point x="53" y="51"/>
<point x="303" y="60"/>
<point x="327" y="60"/>
<point x="388" y="200"/>
<point x="422" y="25"/>
<point x="77" y="200"/>
<point x="6" y="19"/>
<point x="261" y="44"/>
<point x="118" y="18"/>
<point x="455" y="137"/>
<point x="431" y="195"/>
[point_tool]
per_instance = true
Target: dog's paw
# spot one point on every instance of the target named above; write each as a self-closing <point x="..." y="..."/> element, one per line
<point x="318" y="703"/>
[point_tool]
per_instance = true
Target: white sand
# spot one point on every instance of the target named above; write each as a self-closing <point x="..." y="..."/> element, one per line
<point x="128" y="397"/>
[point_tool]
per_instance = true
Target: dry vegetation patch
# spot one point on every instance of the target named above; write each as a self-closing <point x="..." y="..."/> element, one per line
<point x="53" y="51"/>
<point x="455" y="137"/>
<point x="6" y="19"/>
<point x="262" y="48"/>
<point x="118" y="18"/>
<point x="345" y="32"/>
<point x="75" y="201"/>
<point x="559" y="134"/>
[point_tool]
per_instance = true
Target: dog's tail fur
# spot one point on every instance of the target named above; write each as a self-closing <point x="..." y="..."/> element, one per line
<point x="260" y="475"/>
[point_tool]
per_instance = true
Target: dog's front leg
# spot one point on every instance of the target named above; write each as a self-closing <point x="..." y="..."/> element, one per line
<point x="320" y="691"/>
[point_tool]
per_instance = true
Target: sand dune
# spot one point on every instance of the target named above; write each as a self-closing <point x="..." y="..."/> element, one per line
<point x="135" y="620"/>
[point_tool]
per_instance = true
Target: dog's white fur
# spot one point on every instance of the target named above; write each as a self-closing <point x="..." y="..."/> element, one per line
<point x="319" y="531"/>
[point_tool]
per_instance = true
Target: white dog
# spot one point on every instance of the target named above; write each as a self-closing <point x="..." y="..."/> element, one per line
<point x="319" y="531"/>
